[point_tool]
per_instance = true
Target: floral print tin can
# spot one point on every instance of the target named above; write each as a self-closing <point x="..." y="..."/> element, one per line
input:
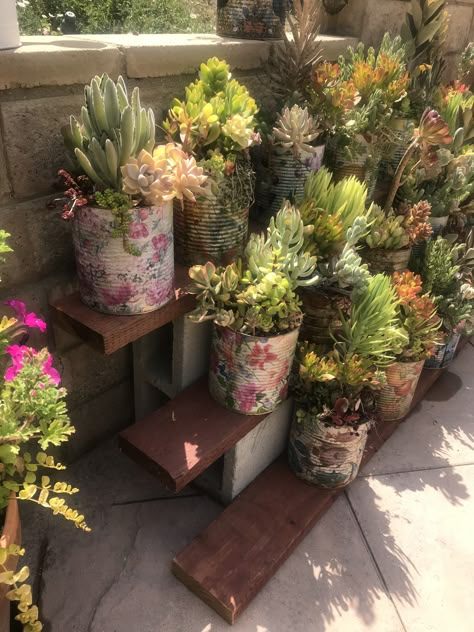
<point x="250" y="374"/>
<point x="396" y="396"/>
<point x="325" y="455"/>
<point x="133" y="274"/>
<point x="251" y="19"/>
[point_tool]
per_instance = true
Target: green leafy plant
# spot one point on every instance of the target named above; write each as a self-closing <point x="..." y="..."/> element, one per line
<point x="258" y="295"/>
<point x="392" y="231"/>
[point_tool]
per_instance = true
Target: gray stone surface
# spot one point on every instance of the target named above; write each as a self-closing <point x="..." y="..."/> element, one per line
<point x="460" y="27"/>
<point x="5" y="188"/>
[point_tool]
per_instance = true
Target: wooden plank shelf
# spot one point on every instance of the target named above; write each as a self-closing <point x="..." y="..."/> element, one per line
<point x="231" y="560"/>
<point x="186" y="435"/>
<point x="107" y="332"/>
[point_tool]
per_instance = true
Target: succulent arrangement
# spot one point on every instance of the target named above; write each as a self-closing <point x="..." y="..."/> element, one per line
<point x="392" y="231"/>
<point x="258" y="294"/>
<point x="294" y="132"/>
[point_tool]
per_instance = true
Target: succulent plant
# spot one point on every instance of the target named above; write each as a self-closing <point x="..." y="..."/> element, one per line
<point x="387" y="230"/>
<point x="295" y="129"/>
<point x="110" y="131"/>
<point x="258" y="294"/>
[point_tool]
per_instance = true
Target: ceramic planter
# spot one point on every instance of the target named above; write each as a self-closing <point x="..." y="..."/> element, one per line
<point x="249" y="374"/>
<point x="322" y="309"/>
<point x="325" y="455"/>
<point x="283" y="178"/>
<point x="445" y="354"/>
<point x="9" y="30"/>
<point x="11" y="534"/>
<point x="396" y="396"/>
<point x="386" y="261"/>
<point x="111" y="279"/>
<point x="251" y="19"/>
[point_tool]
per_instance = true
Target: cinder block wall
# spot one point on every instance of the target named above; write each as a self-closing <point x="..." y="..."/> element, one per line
<point x="370" y="19"/>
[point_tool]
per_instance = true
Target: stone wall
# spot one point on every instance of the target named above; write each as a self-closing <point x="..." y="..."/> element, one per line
<point x="370" y="19"/>
<point x="41" y="84"/>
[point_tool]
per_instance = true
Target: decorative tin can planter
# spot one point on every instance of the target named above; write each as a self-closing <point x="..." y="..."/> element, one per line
<point x="438" y="224"/>
<point x="11" y="534"/>
<point x="322" y="309"/>
<point x="327" y="456"/>
<point x="251" y="19"/>
<point x="250" y="374"/>
<point x="9" y="30"/>
<point x="396" y="396"/>
<point x="386" y="261"/>
<point x="364" y="166"/>
<point x="111" y="279"/>
<point x="445" y="354"/>
<point x="282" y="178"/>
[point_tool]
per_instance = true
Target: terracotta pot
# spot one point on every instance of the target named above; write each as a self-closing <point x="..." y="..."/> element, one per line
<point x="322" y="308"/>
<point x="445" y="354"/>
<point x="9" y="30"/>
<point x="250" y="374"/>
<point x="111" y="279"/>
<point x="325" y="455"/>
<point x="386" y="261"/>
<point x="251" y="19"/>
<point x="11" y="534"/>
<point x="396" y="396"/>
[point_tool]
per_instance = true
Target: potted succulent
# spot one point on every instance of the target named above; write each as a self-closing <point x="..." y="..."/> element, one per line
<point x="418" y="318"/>
<point x="335" y="402"/>
<point x="216" y="124"/>
<point x="447" y="276"/>
<point x="360" y="92"/>
<point x="33" y="415"/>
<point x="336" y="218"/>
<point x="257" y="315"/>
<point x="121" y="205"/>
<point x="251" y="19"/>
<point x="9" y="29"/>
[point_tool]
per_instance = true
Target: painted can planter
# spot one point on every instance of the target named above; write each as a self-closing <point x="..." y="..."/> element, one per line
<point x="111" y="279"/>
<point x="322" y="309"/>
<point x="11" y="534"/>
<point x="251" y="19"/>
<point x="438" y="224"/>
<point x="364" y="167"/>
<point x="250" y="374"/>
<point x="386" y="261"/>
<point x="396" y="396"/>
<point x="444" y="355"/>
<point x="325" y="455"/>
<point x="283" y="178"/>
<point x="9" y="29"/>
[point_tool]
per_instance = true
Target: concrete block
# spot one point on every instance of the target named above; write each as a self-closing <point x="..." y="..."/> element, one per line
<point x="381" y="17"/>
<point x="5" y="188"/>
<point x="33" y="143"/>
<point x="460" y="27"/>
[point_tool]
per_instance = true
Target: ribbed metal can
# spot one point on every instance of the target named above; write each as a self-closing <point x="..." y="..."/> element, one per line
<point x="250" y="374"/>
<point x="322" y="313"/>
<point x="381" y="260"/>
<point x="444" y="355"/>
<point x="438" y="224"/>
<point x="363" y="166"/>
<point x="251" y="19"/>
<point x="111" y="279"/>
<point x="283" y="178"/>
<point x="323" y="454"/>
<point x="396" y="396"/>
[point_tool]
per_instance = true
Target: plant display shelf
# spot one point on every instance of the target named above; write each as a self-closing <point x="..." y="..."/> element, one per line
<point x="235" y="556"/>
<point x="109" y="333"/>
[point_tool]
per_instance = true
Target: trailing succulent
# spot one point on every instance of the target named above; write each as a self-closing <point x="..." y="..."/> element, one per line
<point x="392" y="231"/>
<point x="258" y="295"/>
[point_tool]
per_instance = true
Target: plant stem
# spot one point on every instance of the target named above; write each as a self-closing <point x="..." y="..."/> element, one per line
<point x="398" y="175"/>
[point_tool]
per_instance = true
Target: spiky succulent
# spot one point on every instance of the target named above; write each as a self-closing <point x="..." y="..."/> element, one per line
<point x="258" y="294"/>
<point x="110" y="131"/>
<point x="294" y="131"/>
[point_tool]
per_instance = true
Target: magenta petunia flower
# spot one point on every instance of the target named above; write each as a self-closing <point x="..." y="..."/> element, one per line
<point x="49" y="370"/>
<point x="18" y="354"/>
<point x="29" y="319"/>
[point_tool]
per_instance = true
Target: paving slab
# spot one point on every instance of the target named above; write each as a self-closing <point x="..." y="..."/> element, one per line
<point x="440" y="431"/>
<point x="422" y="543"/>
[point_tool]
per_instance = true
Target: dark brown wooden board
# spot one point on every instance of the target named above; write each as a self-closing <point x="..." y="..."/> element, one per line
<point x="231" y="560"/>
<point x="186" y="435"/>
<point x="107" y="332"/>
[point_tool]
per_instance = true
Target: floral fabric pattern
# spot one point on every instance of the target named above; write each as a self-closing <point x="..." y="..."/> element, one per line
<point x="250" y="374"/>
<point x="112" y="280"/>
<point x="396" y="396"/>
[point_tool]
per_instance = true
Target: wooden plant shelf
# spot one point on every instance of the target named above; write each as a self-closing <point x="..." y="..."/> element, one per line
<point x="231" y="560"/>
<point x="185" y="436"/>
<point x="108" y="333"/>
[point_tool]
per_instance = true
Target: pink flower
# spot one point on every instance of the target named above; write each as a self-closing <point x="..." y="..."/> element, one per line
<point x="137" y="230"/>
<point x="50" y="371"/>
<point x="118" y="295"/>
<point x="246" y="396"/>
<point x="260" y="355"/>
<point x="30" y="320"/>
<point x="160" y="242"/>
<point x="159" y="293"/>
<point x="18" y="354"/>
<point x="143" y="213"/>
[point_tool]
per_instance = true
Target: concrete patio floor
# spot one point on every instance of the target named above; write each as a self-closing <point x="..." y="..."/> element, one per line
<point x="394" y="553"/>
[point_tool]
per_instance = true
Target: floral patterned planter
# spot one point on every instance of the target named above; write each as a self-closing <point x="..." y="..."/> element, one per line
<point x="113" y="281"/>
<point x="251" y="19"/>
<point x="282" y="178"/>
<point x="11" y="534"/>
<point x="322" y="308"/>
<point x="396" y="396"/>
<point x="386" y="261"/>
<point x="325" y="455"/>
<point x="444" y="355"/>
<point x="250" y="374"/>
